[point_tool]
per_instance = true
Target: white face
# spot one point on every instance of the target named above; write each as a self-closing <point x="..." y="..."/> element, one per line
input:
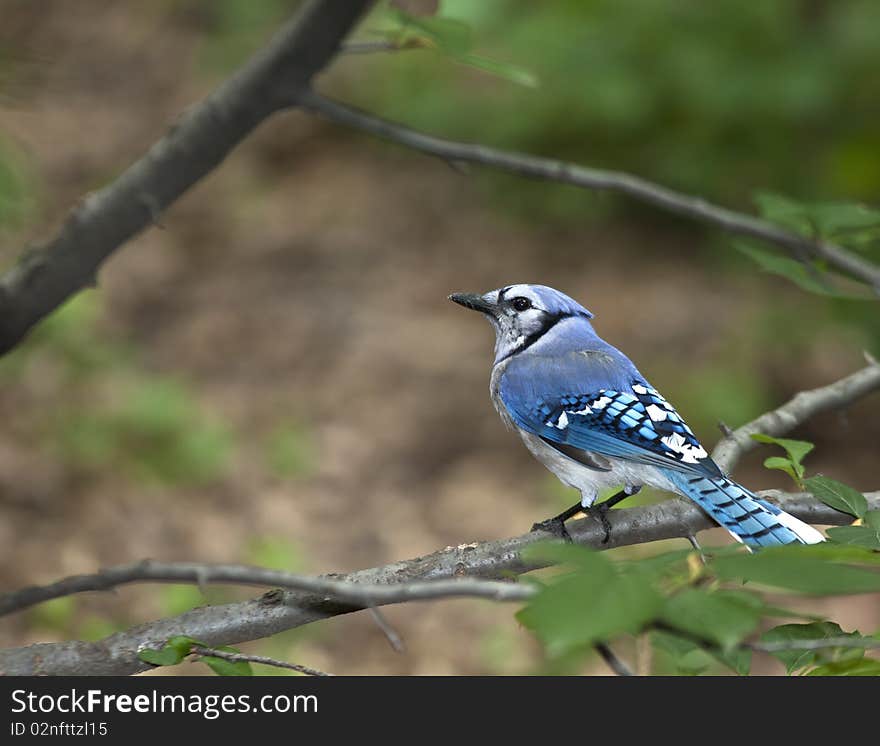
<point x="519" y="318"/>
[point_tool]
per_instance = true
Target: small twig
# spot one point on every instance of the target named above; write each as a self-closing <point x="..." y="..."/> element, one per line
<point x="725" y="429"/>
<point x="394" y="639"/>
<point x="246" y="658"/>
<point x="614" y="663"/>
<point x="357" y="46"/>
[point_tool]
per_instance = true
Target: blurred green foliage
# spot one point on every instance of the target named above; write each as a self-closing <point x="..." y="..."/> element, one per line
<point x="105" y="412"/>
<point x="276" y="553"/>
<point x="718" y="98"/>
<point x="236" y="28"/>
<point x="289" y="451"/>
<point x="64" y="617"/>
<point x="16" y="187"/>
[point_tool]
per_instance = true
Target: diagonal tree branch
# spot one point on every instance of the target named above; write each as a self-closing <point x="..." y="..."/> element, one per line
<point x="320" y="598"/>
<point x="548" y="169"/>
<point x="801" y="408"/>
<point x="45" y="276"/>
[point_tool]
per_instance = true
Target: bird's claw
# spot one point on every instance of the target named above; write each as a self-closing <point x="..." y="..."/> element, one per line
<point x="554" y="526"/>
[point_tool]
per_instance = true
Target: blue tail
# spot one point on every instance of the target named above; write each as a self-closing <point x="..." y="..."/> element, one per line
<point x="750" y="519"/>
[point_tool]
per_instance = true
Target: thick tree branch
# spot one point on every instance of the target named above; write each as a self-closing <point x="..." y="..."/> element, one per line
<point x="45" y="276"/>
<point x="548" y="169"/>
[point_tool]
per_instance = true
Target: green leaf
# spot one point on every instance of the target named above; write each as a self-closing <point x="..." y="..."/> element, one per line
<point x="688" y="658"/>
<point x="182" y="644"/>
<point x="834" y="218"/>
<point x="797" y="568"/>
<point x="738" y="659"/>
<point x="795" y="471"/>
<point x="597" y="602"/>
<point x="859" y="667"/>
<point x="173" y="652"/>
<point x="796" y="449"/>
<point x="500" y="69"/>
<point x="784" y="211"/>
<point x="839" y="496"/>
<point x="872" y="518"/>
<point x="795" y="659"/>
<point x="809" y="277"/>
<point x="166" y="656"/>
<point x="717" y="616"/>
<point x="223" y="667"/>
<point x="857" y="536"/>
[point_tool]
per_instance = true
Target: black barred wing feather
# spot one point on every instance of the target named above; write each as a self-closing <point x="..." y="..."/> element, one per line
<point x="636" y="423"/>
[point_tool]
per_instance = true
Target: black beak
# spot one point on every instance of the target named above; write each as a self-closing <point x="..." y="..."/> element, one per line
<point x="473" y="301"/>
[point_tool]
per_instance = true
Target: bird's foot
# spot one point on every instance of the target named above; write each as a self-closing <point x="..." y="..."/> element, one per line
<point x="600" y="510"/>
<point x="555" y="526"/>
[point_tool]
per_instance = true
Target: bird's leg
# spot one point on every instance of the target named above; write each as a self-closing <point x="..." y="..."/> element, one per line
<point x="600" y="510"/>
<point x="556" y="524"/>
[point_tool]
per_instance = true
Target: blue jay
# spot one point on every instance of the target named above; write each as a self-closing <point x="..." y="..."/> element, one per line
<point x="583" y="409"/>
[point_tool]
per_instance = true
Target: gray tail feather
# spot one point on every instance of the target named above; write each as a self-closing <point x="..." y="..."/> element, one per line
<point x="750" y="519"/>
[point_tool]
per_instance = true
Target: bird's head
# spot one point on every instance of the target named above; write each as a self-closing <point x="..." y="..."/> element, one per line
<point x="521" y="314"/>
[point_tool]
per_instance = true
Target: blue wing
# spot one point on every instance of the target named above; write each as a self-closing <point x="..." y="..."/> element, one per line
<point x="588" y="400"/>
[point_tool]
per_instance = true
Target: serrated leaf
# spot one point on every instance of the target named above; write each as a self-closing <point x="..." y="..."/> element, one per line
<point x="597" y="602"/>
<point x="718" y="616"/>
<point x="857" y="536"/>
<point x="860" y="667"/>
<point x="838" y="495"/>
<point x="795" y="659"/>
<point x="790" y="568"/>
<point x="688" y="658"/>
<point x="738" y="659"/>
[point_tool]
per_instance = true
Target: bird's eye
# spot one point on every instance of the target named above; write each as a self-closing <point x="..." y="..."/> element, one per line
<point x="521" y="304"/>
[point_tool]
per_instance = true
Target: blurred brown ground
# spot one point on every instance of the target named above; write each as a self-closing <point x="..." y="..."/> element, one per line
<point x="308" y="277"/>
